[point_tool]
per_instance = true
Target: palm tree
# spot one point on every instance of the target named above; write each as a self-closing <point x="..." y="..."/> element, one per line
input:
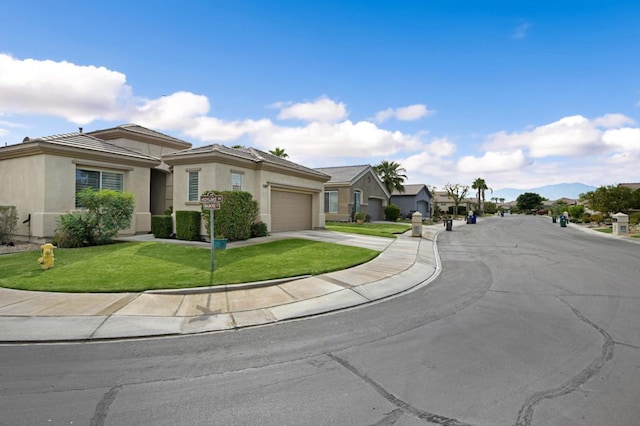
<point x="501" y="200"/>
<point x="279" y="152"/>
<point x="480" y="186"/>
<point x="391" y="174"/>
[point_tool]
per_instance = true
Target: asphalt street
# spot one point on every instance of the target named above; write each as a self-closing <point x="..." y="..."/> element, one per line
<point x="528" y="324"/>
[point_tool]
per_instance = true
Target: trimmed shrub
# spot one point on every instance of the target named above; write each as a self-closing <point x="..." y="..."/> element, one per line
<point x="597" y="218"/>
<point x="392" y="212"/>
<point x="8" y="223"/>
<point x="188" y="225"/>
<point x="259" y="229"/>
<point x="634" y="218"/>
<point x="462" y="210"/>
<point x="233" y="221"/>
<point x="161" y="226"/>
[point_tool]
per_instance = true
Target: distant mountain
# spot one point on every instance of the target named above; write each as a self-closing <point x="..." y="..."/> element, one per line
<point x="551" y="192"/>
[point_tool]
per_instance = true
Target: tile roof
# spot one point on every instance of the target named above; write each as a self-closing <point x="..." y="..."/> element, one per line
<point x="411" y="189"/>
<point x="344" y="174"/>
<point x="250" y="154"/>
<point x="88" y="142"/>
<point x="135" y="128"/>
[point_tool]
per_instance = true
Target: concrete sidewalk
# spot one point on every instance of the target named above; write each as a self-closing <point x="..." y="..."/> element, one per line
<point x="404" y="263"/>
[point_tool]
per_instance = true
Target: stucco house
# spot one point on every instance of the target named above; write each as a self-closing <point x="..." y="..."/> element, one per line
<point x="41" y="176"/>
<point x="353" y="189"/>
<point x="289" y="195"/>
<point x="442" y="201"/>
<point x="415" y="198"/>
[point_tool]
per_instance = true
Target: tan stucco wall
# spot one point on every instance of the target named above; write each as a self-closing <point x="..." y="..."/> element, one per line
<point x="44" y="186"/>
<point x="217" y="177"/>
<point x="22" y="186"/>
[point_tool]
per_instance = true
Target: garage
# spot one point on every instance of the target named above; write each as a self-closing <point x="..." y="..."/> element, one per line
<point x="290" y="211"/>
<point x="374" y="209"/>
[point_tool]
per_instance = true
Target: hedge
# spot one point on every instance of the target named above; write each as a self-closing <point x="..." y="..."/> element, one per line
<point x="188" y="225"/>
<point x="161" y="226"/>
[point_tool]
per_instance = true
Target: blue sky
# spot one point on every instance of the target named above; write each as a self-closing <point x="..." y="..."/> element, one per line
<point x="520" y="93"/>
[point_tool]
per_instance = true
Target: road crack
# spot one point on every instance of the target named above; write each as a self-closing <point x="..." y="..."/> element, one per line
<point x="407" y="408"/>
<point x="525" y="415"/>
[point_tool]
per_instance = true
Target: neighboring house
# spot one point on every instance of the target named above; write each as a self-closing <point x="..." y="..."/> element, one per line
<point x="415" y="198"/>
<point x="442" y="201"/>
<point x="353" y="189"/>
<point x="41" y="176"/>
<point x="632" y="185"/>
<point x="289" y="195"/>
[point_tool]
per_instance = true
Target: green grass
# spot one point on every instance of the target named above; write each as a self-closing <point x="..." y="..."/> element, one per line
<point x="388" y="230"/>
<point x="133" y="267"/>
<point x="604" y="230"/>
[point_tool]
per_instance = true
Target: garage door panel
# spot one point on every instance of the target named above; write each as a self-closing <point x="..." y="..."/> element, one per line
<point x="290" y="211"/>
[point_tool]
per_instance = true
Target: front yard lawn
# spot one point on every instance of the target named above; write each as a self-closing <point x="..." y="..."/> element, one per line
<point x="388" y="230"/>
<point x="133" y="267"/>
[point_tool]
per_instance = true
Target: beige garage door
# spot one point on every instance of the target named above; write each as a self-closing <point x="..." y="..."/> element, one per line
<point x="290" y="211"/>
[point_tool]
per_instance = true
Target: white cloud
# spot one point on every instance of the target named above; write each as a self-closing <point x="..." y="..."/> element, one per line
<point x="177" y="110"/>
<point x="609" y="121"/>
<point x="624" y="139"/>
<point x="569" y="136"/>
<point x="407" y="113"/>
<point x="521" y="31"/>
<point x="211" y="129"/>
<point x="493" y="162"/>
<point x="80" y="94"/>
<point x="330" y="141"/>
<point x="441" y="147"/>
<point x="322" y="109"/>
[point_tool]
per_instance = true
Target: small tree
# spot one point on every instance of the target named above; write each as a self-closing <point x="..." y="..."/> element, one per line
<point x="457" y="193"/>
<point x="529" y="201"/>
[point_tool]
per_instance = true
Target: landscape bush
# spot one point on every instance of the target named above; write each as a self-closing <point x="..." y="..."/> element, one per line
<point x="392" y="212"/>
<point x="8" y="223"/>
<point x="237" y="213"/>
<point x="188" y="225"/>
<point x="104" y="213"/>
<point x="161" y="226"/>
<point x="259" y="229"/>
<point x="634" y="218"/>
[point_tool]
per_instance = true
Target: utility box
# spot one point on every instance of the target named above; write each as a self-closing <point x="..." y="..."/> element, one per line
<point x="620" y="223"/>
<point x="416" y="224"/>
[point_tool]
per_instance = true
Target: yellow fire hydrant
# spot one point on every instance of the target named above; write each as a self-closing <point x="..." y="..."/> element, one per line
<point x="46" y="261"/>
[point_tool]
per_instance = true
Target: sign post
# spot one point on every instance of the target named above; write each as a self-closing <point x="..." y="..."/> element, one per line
<point x="212" y="202"/>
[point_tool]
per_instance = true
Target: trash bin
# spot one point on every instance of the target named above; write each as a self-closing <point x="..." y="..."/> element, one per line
<point x="563" y="221"/>
<point x="473" y="219"/>
<point x="448" y="223"/>
<point x="554" y="219"/>
<point x="468" y="220"/>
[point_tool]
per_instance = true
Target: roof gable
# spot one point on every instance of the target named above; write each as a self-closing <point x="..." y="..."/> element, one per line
<point x="412" y="189"/>
<point x="251" y="155"/>
<point x="141" y="134"/>
<point x="345" y="174"/>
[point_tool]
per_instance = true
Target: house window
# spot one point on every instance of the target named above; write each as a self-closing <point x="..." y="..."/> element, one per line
<point x="331" y="201"/>
<point x="357" y="199"/>
<point x="194" y="179"/>
<point x="98" y="179"/>
<point x="236" y="181"/>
